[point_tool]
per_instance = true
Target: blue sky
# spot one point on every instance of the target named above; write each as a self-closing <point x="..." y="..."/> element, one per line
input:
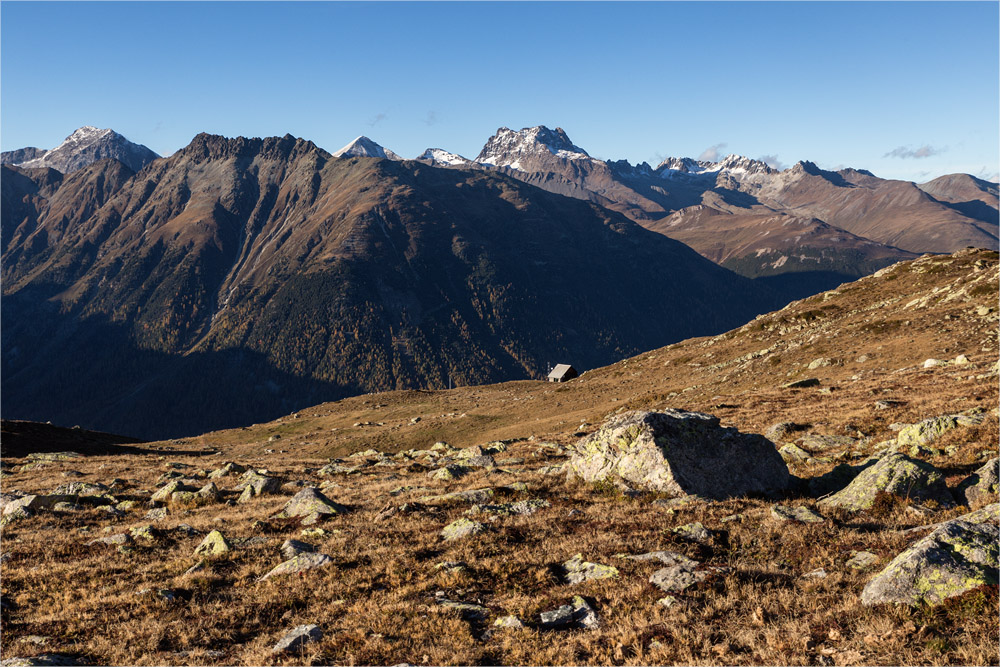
<point x="907" y="90"/>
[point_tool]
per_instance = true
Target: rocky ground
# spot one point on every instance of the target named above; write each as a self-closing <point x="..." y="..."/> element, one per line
<point x="533" y="524"/>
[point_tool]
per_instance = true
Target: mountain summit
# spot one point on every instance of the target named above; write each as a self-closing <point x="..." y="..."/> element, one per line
<point x="508" y="148"/>
<point x="365" y="147"/>
<point x="84" y="147"/>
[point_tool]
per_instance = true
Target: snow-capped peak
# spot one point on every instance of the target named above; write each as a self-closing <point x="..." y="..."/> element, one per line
<point x="734" y="165"/>
<point x="87" y="145"/>
<point x="365" y="147"/>
<point x="508" y="148"/>
<point x="440" y="156"/>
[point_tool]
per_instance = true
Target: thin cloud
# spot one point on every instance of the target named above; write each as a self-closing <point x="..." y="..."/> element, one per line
<point x="773" y="162"/>
<point x="431" y="119"/>
<point x="988" y="175"/>
<point x="377" y="119"/>
<point x="906" y="152"/>
<point x="712" y="153"/>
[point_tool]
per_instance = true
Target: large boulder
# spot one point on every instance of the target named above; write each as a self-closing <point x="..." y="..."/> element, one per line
<point x="958" y="556"/>
<point x="679" y="453"/>
<point x="898" y="475"/>
<point x="310" y="502"/>
<point x="981" y="486"/>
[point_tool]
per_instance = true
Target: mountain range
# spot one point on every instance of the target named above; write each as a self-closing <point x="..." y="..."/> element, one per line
<point x="289" y="275"/>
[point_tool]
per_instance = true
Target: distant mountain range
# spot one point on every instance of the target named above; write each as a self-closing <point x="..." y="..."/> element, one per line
<point x="239" y="279"/>
<point x="80" y="149"/>
<point x="290" y="275"/>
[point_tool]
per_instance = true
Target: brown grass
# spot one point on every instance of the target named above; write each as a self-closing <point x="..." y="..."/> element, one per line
<point x="376" y="603"/>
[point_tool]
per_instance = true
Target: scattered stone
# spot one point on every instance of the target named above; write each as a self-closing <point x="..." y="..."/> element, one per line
<point x="981" y="486"/>
<point x="815" y="442"/>
<point x="253" y="484"/>
<point x="801" y="384"/>
<point x="961" y="360"/>
<point x="214" y="544"/>
<point x="931" y="363"/>
<point x="145" y="532"/>
<point x="679" y="453"/>
<point x="467" y="610"/>
<point x="579" y="570"/>
<point x="818" y="573"/>
<point x="451" y="566"/>
<point x="668" y="601"/>
<point x="292" y="548"/>
<point x="669" y="558"/>
<point x="229" y="468"/>
<point x="886" y="404"/>
<point x="198" y="568"/>
<point x="577" y="613"/>
<point x="820" y="363"/>
<point x="160" y="593"/>
<point x="66" y="507"/>
<point x="297" y="638"/>
<point x="695" y="532"/>
<point x="552" y="470"/>
<point x="122" y="539"/>
<point x="450" y="472"/>
<point x="897" y="474"/>
<point x="931" y="429"/>
<point x="166" y="493"/>
<point x="781" y="431"/>
<point x="862" y="560"/>
<point x="797" y="514"/>
<point x="510" y="621"/>
<point x="301" y="563"/>
<point x="310" y="503"/>
<point x="470" y="496"/>
<point x="792" y="453"/>
<point x="81" y="489"/>
<point x="186" y="530"/>
<point x="461" y="528"/>
<point x="956" y="557"/>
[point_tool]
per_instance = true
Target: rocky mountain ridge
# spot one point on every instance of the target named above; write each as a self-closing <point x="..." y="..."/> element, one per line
<point x="82" y="148"/>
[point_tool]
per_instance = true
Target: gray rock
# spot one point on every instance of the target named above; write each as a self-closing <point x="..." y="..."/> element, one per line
<point x="229" y="468"/>
<point x="782" y="431"/>
<point x="897" y="474"/>
<point x="579" y="570"/>
<point x="679" y="453"/>
<point x="470" y="496"/>
<point x="931" y="429"/>
<point x="815" y="442"/>
<point x="484" y="461"/>
<point x="456" y="530"/>
<point x="214" y="544"/>
<point x="577" y="613"/>
<point x="669" y="558"/>
<point x="172" y="487"/>
<point x="796" y="514"/>
<point x="467" y="610"/>
<point x="958" y="556"/>
<point x="450" y="472"/>
<point x="310" y="501"/>
<point x="54" y="456"/>
<point x="793" y="453"/>
<point x="510" y="621"/>
<point x="46" y="659"/>
<point x="301" y="563"/>
<point x="862" y="560"/>
<point x="114" y="540"/>
<point x="292" y="548"/>
<point x="519" y="508"/>
<point x="253" y="484"/>
<point x="156" y="514"/>
<point x="297" y="638"/>
<point x="695" y="532"/>
<point x="981" y="486"/>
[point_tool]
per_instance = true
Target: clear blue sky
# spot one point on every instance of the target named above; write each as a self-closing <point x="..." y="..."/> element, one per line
<point x="907" y="90"/>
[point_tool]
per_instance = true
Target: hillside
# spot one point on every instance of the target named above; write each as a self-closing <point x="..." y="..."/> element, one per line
<point x="560" y="571"/>
<point x="293" y="277"/>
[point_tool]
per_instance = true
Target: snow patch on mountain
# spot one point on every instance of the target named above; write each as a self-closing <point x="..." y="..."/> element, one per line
<point x="443" y="157"/>
<point x="89" y="144"/>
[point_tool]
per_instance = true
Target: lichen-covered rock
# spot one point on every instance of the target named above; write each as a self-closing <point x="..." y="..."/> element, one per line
<point x="519" y="508"/>
<point x="297" y="638"/>
<point x="166" y="493"/>
<point x="450" y="472"/>
<point x="43" y="660"/>
<point x="301" y="563"/>
<point x="54" y="456"/>
<point x="509" y="621"/>
<point x="695" y="532"/>
<point x="897" y="474"/>
<point x="253" y="484"/>
<point x="796" y="514"/>
<point x="229" y="468"/>
<point x="461" y="528"/>
<point x="981" y="486"/>
<point x="470" y="496"/>
<point x="468" y="610"/>
<point x="793" y="453"/>
<point x="579" y="570"/>
<point x="931" y="429"/>
<point x="310" y="501"/>
<point x="577" y="613"/>
<point x="801" y="384"/>
<point x="214" y="544"/>
<point x="292" y="548"/>
<point x="33" y="503"/>
<point x="816" y="442"/>
<point x="958" y="556"/>
<point x="122" y="539"/>
<point x="679" y="453"/>
<point x="81" y="489"/>
<point x="861" y="560"/>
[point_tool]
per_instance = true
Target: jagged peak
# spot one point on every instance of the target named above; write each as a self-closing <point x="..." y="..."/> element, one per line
<point x="207" y="146"/>
<point x="507" y="147"/>
<point x="441" y="156"/>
